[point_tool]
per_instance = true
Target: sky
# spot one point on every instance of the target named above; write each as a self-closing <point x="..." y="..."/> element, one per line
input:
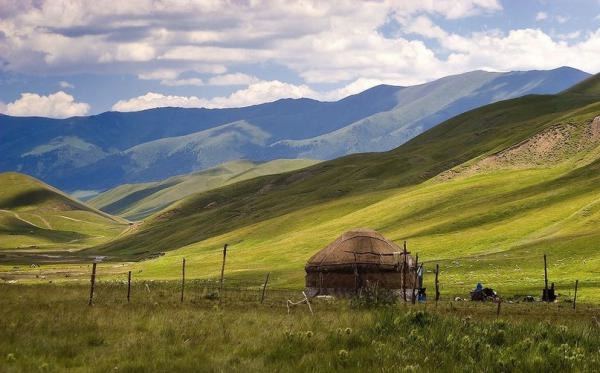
<point x="62" y="58"/>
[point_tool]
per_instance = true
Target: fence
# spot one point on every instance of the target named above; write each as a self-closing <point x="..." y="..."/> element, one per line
<point x="194" y="291"/>
<point x="241" y="291"/>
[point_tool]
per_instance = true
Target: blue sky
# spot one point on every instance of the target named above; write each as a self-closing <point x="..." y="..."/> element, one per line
<point x="65" y="58"/>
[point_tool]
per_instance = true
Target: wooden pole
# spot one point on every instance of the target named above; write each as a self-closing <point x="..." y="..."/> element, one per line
<point x="437" y="283"/>
<point x="182" y="278"/>
<point x="223" y="268"/>
<point x="356" y="276"/>
<point x="262" y="297"/>
<point x="545" y="274"/>
<point x="128" y="286"/>
<point x="404" y="273"/>
<point x="414" y="287"/>
<point x="92" y="283"/>
<point x="575" y="297"/>
<point x="498" y="309"/>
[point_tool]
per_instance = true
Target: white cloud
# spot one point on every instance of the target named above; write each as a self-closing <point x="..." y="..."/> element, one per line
<point x="320" y="41"/>
<point x="540" y="16"/>
<point x="233" y="79"/>
<point x="160" y="74"/>
<point x="182" y="82"/>
<point x="192" y="35"/>
<point x="355" y="87"/>
<point x="55" y="105"/>
<point x="256" y="93"/>
<point x="136" y="52"/>
<point x="65" y="84"/>
<point x="260" y="92"/>
<point x="570" y="35"/>
<point x="152" y="100"/>
<point x="561" y="19"/>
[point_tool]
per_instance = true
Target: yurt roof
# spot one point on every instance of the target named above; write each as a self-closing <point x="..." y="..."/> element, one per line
<point x="363" y="247"/>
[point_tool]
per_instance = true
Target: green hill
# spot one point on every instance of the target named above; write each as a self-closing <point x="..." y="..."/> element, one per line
<point x="485" y="193"/>
<point x="137" y="201"/>
<point x="474" y="134"/>
<point x="35" y="216"/>
<point x="590" y="87"/>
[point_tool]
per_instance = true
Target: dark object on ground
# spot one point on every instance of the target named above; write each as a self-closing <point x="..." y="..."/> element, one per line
<point x="549" y="295"/>
<point x="483" y="295"/>
<point x="422" y="295"/>
<point x="528" y="298"/>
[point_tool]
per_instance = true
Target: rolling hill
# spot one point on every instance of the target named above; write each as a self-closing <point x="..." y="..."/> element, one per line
<point x="103" y="151"/>
<point x="485" y="193"/>
<point x="37" y="217"/>
<point x="137" y="201"/>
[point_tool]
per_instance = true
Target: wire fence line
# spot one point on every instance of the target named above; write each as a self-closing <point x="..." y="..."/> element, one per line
<point x="196" y="291"/>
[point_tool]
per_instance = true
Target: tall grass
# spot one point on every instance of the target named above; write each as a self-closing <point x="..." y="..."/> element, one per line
<point x="51" y="328"/>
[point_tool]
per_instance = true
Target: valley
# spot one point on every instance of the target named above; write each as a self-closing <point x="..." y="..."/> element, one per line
<point x="485" y="195"/>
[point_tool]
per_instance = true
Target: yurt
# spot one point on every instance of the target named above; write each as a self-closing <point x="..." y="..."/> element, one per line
<point x="359" y="258"/>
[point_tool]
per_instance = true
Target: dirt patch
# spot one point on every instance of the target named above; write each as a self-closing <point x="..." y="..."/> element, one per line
<point x="168" y="214"/>
<point x="556" y="144"/>
<point x="266" y="189"/>
<point x="299" y="176"/>
<point x="594" y="129"/>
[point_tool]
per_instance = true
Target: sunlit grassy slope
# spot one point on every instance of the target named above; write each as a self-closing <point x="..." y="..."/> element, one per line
<point x="35" y="216"/>
<point x="492" y="225"/>
<point x="471" y="135"/>
<point x="136" y="201"/>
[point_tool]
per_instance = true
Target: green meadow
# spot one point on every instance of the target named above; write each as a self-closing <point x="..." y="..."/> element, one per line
<point x="51" y="328"/>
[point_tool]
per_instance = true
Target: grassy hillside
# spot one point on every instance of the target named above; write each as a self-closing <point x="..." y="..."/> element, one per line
<point x="137" y="201"/>
<point x="517" y="189"/>
<point x="589" y="87"/>
<point x="35" y="216"/>
<point x="468" y="136"/>
<point x="485" y="195"/>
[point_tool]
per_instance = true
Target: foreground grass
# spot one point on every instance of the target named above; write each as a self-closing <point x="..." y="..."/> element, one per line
<point x="51" y="328"/>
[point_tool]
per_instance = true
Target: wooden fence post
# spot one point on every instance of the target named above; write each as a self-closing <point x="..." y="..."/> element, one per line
<point x="92" y="283"/>
<point x="262" y="297"/>
<point x="128" y="286"/>
<point x="404" y="265"/>
<point x="437" y="283"/>
<point x="414" y="287"/>
<point x="575" y="297"/>
<point x="498" y="309"/>
<point x="223" y="269"/>
<point x="545" y="273"/>
<point x="182" y="278"/>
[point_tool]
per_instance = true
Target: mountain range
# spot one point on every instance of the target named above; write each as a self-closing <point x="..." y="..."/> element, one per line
<point x="102" y="151"/>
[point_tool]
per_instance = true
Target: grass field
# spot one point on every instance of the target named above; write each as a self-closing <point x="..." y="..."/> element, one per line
<point x="51" y="328"/>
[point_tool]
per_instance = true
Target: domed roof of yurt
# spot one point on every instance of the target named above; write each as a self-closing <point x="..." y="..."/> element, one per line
<point x="361" y="247"/>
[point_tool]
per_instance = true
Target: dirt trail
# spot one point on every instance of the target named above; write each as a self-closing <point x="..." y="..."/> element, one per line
<point x="17" y="216"/>
<point x="45" y="221"/>
<point x="78" y="220"/>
